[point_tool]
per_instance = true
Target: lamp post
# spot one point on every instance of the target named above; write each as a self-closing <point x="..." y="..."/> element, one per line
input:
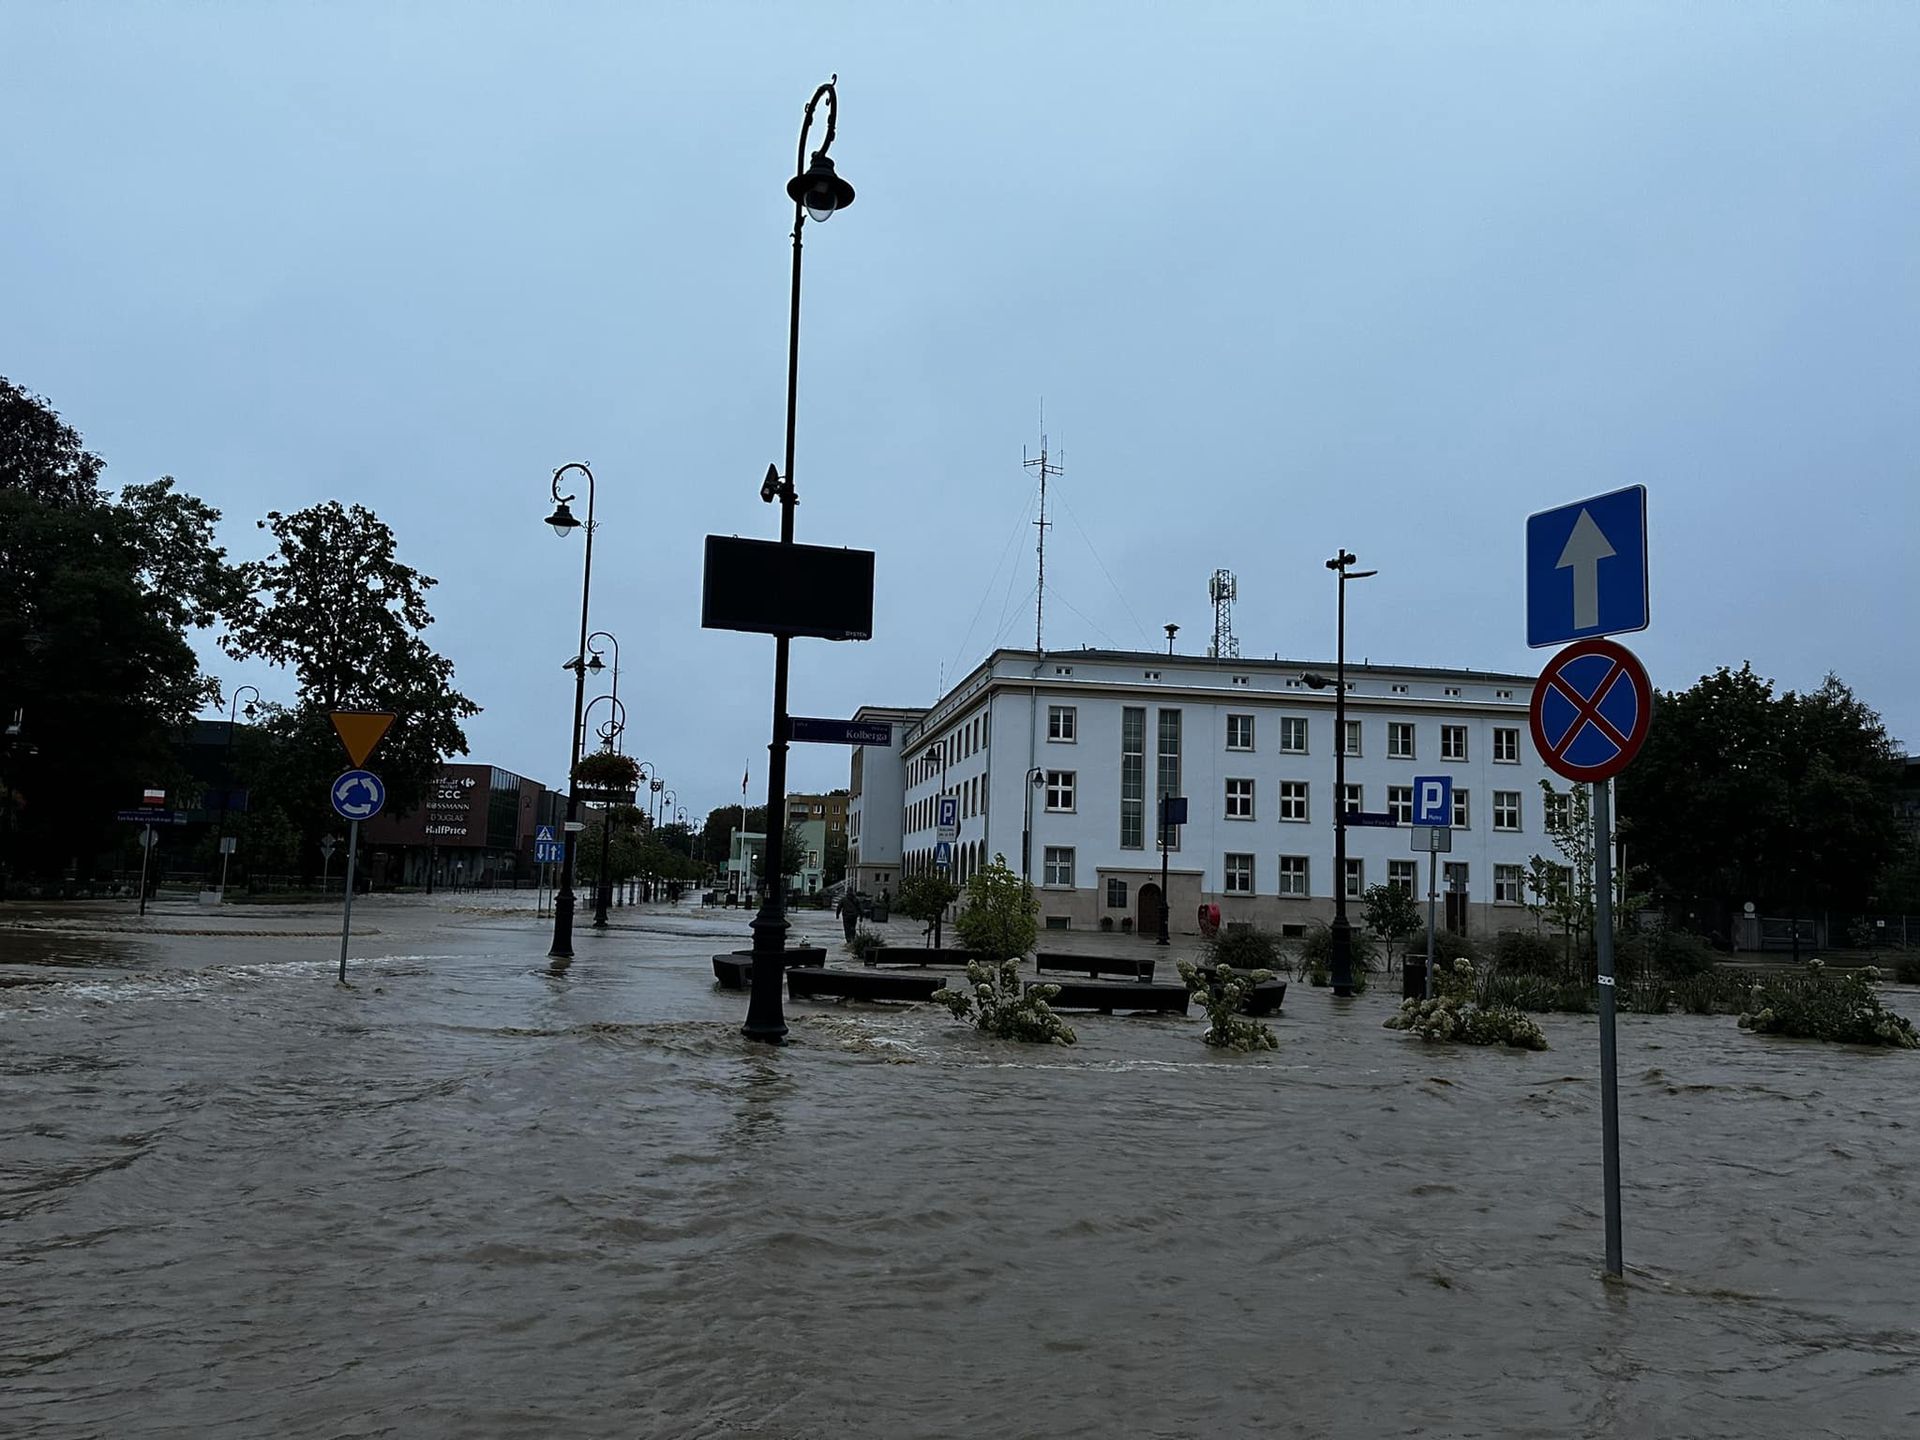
<point x="668" y="798"/>
<point x="1340" y="946"/>
<point x="563" y="522"/>
<point x="816" y="192"/>
<point x="1036" y="780"/>
<point x="596" y="665"/>
<point x="226" y="793"/>
<point x="938" y="753"/>
<point x="608" y="731"/>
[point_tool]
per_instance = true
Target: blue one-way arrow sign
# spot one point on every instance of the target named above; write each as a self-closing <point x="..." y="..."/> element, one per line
<point x="1587" y="568"/>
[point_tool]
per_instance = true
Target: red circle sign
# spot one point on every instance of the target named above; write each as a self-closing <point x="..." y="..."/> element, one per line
<point x="1591" y="708"/>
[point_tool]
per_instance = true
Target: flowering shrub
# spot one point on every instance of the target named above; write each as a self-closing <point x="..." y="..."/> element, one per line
<point x="864" y="942"/>
<point x="1221" y="991"/>
<point x="1453" y="1014"/>
<point x="1815" y="1005"/>
<point x="999" y="1005"/>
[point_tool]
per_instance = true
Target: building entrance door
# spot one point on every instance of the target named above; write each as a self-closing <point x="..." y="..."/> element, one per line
<point x="1147" y="910"/>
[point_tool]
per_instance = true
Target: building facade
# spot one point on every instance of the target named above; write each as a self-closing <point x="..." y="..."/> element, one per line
<point x="1058" y="760"/>
<point x="475" y="827"/>
<point x="878" y="788"/>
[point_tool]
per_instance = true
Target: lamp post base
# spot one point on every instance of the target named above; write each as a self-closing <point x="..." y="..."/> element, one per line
<point x="1340" y="956"/>
<point x="766" y="1021"/>
<point x="562" y="952"/>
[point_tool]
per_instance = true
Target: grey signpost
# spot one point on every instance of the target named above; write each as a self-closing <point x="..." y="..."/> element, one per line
<point x="1435" y="840"/>
<point x="1587" y="577"/>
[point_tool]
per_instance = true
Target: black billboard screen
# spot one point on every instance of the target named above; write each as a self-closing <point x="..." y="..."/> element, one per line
<point x="774" y="589"/>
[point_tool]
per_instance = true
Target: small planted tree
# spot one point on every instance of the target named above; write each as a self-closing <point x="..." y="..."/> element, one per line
<point x="1391" y="914"/>
<point x="926" y="896"/>
<point x="998" y="922"/>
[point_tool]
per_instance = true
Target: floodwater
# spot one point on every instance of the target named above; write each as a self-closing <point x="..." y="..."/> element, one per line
<point x="463" y="1198"/>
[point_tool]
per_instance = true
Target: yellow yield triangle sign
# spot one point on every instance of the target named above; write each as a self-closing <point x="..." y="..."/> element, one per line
<point x="360" y="731"/>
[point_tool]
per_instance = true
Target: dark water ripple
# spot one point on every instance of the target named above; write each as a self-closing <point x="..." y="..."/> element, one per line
<point x="465" y="1199"/>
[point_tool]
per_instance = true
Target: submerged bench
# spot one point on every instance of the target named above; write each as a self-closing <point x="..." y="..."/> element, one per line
<point x="921" y="955"/>
<point x="1111" y="996"/>
<point x="734" y="970"/>
<point x="808" y="983"/>
<point x="1093" y="966"/>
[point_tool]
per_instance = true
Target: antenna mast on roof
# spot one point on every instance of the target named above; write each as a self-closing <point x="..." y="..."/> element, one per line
<point x="1222" y="589"/>
<point x="1043" y="467"/>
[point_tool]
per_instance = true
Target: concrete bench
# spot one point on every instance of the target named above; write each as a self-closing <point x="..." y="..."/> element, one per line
<point x="1267" y="996"/>
<point x="807" y="983"/>
<point x="1093" y="966"/>
<point x="1111" y="996"/>
<point x="734" y="970"/>
<point x="921" y="955"/>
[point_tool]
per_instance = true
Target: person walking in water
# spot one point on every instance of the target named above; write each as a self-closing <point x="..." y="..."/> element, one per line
<point x="849" y="912"/>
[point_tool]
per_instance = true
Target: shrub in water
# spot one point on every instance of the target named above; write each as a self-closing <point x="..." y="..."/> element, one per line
<point x="998" y="921"/>
<point x="1906" y="969"/>
<point x="864" y="943"/>
<point x="1522" y="952"/>
<point x="1454" y="1014"/>
<point x="1248" y="949"/>
<point x="999" y="1005"/>
<point x="1818" y="1005"/>
<point x="1221" y="991"/>
<point x="1316" y="947"/>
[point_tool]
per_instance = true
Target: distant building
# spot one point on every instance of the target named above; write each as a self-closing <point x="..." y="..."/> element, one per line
<point x="874" y="854"/>
<point x="475" y="827"/>
<point x="830" y="808"/>
<point x="745" y="849"/>
<point x="1248" y="743"/>
<point x="813" y="855"/>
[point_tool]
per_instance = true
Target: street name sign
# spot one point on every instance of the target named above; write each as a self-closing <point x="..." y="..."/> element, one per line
<point x="1433" y="800"/>
<point x="357" y="795"/>
<point x="1381" y="819"/>
<point x="1587" y="568"/>
<point x="360" y="731"/>
<point x="152" y="817"/>
<point x="840" y="732"/>
<point x="1590" y="710"/>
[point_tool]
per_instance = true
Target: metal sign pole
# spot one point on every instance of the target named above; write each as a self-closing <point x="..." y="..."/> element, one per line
<point x="1609" y="1057"/>
<point x="346" y="914"/>
<point x="1433" y="866"/>
<point x="146" y="850"/>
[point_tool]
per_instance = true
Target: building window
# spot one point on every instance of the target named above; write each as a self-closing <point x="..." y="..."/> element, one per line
<point x="1506" y="809"/>
<point x="1400" y="875"/>
<point x="1506" y="884"/>
<point x="1399" y="689"/>
<point x="1453" y="742"/>
<point x="1293" y="876"/>
<point x="1239" y="732"/>
<point x="1061" y="723"/>
<point x="1058" y="870"/>
<point x="1506" y="745"/>
<point x="1400" y="804"/>
<point x="1462" y="812"/>
<point x="1455" y="872"/>
<point x="1239" y="875"/>
<point x="1559" y="810"/>
<point x="1116" y="893"/>
<point x="1240" y="679"/>
<point x="1353" y="737"/>
<point x="1293" y="734"/>
<point x="1356" y="877"/>
<point x="1293" y="800"/>
<point x="1239" y="799"/>
<point x="1152" y="674"/>
<point x="1400" y="740"/>
<point x="1453" y="690"/>
<point x="1063" y="669"/>
<point x="1353" y="797"/>
<point x="1133" y="778"/>
<point x="1169" y="777"/>
<point x="1503" y="694"/>
<point x="1060" y="790"/>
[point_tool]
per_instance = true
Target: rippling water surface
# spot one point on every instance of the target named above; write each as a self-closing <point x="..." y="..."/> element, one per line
<point x="465" y="1198"/>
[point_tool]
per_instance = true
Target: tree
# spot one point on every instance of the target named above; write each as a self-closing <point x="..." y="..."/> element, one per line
<point x="834" y="870"/>
<point x="1744" y="794"/>
<point x="998" y="921"/>
<point x="96" y="598"/>
<point x="1391" y="914"/>
<point x="335" y="605"/>
<point x="793" y="851"/>
<point x="716" y="836"/>
<point x="1561" y="891"/>
<point x="927" y="895"/>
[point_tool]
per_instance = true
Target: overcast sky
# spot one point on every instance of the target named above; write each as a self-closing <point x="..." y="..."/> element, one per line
<point x="1287" y="277"/>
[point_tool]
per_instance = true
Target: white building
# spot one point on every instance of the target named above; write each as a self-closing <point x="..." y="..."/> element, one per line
<point x="1248" y="743"/>
<point x="878" y="790"/>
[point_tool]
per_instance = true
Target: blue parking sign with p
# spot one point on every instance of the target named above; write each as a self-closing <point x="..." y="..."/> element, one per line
<point x="1433" y="800"/>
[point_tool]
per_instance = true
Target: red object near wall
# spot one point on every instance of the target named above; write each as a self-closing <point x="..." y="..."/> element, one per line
<point x="1209" y="921"/>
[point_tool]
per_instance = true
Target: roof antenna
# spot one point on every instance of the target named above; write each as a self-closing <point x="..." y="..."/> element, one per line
<point x="1044" y="468"/>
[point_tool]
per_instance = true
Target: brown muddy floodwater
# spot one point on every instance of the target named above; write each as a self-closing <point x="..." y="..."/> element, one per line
<point x="463" y="1198"/>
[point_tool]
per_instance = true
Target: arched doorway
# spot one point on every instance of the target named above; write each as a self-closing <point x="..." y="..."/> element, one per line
<point x="1147" y="910"/>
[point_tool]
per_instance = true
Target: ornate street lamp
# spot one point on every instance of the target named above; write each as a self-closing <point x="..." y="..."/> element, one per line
<point x="563" y="522"/>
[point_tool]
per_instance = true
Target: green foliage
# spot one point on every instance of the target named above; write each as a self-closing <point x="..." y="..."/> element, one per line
<point x="1248" y="949"/>
<point x="1456" y="1014"/>
<point x="1316" y="950"/>
<point x="864" y="943"/>
<point x="1906" y="968"/>
<point x="1524" y="952"/>
<point x="999" y="1005"/>
<point x="926" y="896"/>
<point x="1223" y="992"/>
<point x="1535" y="992"/>
<point x="1796" y="806"/>
<point x="998" y="922"/>
<point x="716" y="836"/>
<point x="1392" y="914"/>
<point x="1669" y="953"/>
<point x="607" y="770"/>
<point x="1818" y="1004"/>
<point x="833" y="866"/>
